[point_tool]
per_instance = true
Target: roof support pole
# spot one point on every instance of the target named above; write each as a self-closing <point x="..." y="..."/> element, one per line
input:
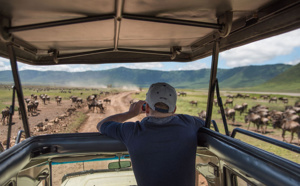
<point x="18" y="87"/>
<point x="118" y="19"/>
<point x="213" y="76"/>
<point x="58" y="23"/>
<point x="172" y="21"/>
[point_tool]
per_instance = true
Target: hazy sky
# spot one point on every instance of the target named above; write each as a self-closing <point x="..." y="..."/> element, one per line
<point x="284" y="49"/>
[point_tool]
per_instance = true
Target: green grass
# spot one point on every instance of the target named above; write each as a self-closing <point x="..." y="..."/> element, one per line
<point x="5" y="98"/>
<point x="184" y="107"/>
<point x="79" y="118"/>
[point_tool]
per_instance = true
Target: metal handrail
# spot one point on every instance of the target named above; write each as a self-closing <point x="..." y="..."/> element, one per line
<point x="266" y="139"/>
<point x="221" y="107"/>
<point x="215" y="125"/>
<point x="19" y="136"/>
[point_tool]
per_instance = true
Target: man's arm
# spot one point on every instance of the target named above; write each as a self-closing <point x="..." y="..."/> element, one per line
<point x="134" y="110"/>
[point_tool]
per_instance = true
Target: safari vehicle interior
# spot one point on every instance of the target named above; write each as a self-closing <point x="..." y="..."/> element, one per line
<point x="104" y="31"/>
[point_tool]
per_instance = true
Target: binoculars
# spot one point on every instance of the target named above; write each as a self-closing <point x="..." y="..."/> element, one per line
<point x="144" y="107"/>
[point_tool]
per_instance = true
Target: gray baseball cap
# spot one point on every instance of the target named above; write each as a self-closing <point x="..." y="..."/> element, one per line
<point x="161" y="92"/>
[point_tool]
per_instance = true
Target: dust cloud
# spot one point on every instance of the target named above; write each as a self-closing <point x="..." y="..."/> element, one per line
<point x="130" y="87"/>
<point x="85" y="84"/>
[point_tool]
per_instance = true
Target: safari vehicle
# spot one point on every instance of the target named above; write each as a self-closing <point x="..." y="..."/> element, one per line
<point x="102" y="31"/>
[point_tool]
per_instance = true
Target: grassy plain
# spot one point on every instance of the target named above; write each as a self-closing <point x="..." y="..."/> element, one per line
<point x="184" y="107"/>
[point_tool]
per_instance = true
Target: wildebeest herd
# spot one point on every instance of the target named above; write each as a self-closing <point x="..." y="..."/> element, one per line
<point x="286" y="119"/>
<point x="32" y="103"/>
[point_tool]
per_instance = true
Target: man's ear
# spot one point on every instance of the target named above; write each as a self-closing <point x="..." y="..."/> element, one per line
<point x="147" y="109"/>
<point x="174" y="110"/>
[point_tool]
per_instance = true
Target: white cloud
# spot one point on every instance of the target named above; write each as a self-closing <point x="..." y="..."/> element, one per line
<point x="262" y="51"/>
<point x="193" y="66"/>
<point x="294" y="62"/>
<point x="4" y="65"/>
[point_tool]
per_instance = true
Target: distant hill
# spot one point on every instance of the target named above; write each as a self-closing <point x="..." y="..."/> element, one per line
<point x="287" y="81"/>
<point x="239" y="77"/>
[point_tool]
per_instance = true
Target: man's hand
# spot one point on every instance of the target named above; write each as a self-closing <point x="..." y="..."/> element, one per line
<point x="134" y="110"/>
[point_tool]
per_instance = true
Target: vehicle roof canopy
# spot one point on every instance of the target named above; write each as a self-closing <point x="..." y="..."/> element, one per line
<point x="51" y="32"/>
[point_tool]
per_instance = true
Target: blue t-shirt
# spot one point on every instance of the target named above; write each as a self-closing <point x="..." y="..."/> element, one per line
<point x="162" y="150"/>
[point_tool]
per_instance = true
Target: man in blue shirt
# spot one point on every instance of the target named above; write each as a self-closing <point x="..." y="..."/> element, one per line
<point x="162" y="146"/>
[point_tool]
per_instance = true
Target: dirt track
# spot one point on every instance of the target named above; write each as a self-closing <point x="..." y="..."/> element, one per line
<point x="119" y="103"/>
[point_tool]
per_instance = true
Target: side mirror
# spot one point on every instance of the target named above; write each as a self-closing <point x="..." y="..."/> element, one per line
<point x="119" y="165"/>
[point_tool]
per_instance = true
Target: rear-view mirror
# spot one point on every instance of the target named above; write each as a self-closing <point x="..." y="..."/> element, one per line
<point x="119" y="165"/>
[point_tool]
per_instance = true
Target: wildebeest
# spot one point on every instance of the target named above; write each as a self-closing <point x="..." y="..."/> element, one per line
<point x="288" y="125"/>
<point x="27" y="100"/>
<point x="106" y="100"/>
<point x="296" y="109"/>
<point x="229" y="102"/>
<point x="216" y="102"/>
<point x="100" y="106"/>
<point x="58" y="99"/>
<point x="32" y="107"/>
<point x="264" y="96"/>
<point x="264" y="122"/>
<point x="91" y="97"/>
<point x="202" y="114"/>
<point x="239" y="95"/>
<point x="262" y="112"/>
<point x="78" y="102"/>
<point x="181" y="93"/>
<point x="245" y="105"/>
<point x="273" y="99"/>
<point x="230" y="96"/>
<point x="33" y="96"/>
<point x="258" y="107"/>
<point x="43" y="97"/>
<point x="254" y="118"/>
<point x="96" y="104"/>
<point x="194" y="103"/>
<point x="5" y="115"/>
<point x="47" y="98"/>
<point x="284" y="100"/>
<point x="74" y="99"/>
<point x="230" y="114"/>
<point x="239" y="108"/>
<point x="276" y="115"/>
